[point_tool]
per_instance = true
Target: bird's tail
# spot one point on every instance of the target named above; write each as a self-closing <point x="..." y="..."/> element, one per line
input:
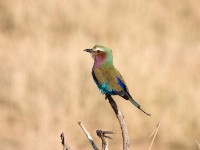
<point x="137" y="105"/>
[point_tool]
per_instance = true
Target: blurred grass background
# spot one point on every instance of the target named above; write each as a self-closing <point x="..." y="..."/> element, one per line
<point x="45" y="77"/>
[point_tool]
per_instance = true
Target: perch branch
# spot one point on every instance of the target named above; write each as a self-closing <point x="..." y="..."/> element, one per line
<point x="102" y="134"/>
<point x="120" y="117"/>
<point x="88" y="136"/>
<point x="64" y="143"/>
<point x="154" y="133"/>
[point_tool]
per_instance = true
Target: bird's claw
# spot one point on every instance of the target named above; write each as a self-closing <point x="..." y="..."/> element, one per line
<point x="106" y="96"/>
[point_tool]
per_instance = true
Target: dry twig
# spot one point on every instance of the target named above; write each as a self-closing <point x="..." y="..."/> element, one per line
<point x="154" y="133"/>
<point x="120" y="117"/>
<point x="88" y="136"/>
<point x="64" y="143"/>
<point x="102" y="134"/>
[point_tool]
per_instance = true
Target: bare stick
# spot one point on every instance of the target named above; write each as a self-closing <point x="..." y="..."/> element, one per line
<point x="102" y="134"/>
<point x="198" y="144"/>
<point x="88" y="136"/>
<point x="154" y="133"/>
<point x="120" y="117"/>
<point x="64" y="143"/>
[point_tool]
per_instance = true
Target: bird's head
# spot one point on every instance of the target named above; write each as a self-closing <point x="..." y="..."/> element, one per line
<point x="101" y="55"/>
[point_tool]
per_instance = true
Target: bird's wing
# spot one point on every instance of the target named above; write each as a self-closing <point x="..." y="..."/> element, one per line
<point x="112" y="78"/>
<point x="121" y="81"/>
<point x="108" y="76"/>
<point x="126" y="95"/>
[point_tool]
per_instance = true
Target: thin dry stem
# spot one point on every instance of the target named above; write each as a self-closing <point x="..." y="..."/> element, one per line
<point x="198" y="143"/>
<point x="64" y="143"/>
<point x="154" y="133"/>
<point x="88" y="136"/>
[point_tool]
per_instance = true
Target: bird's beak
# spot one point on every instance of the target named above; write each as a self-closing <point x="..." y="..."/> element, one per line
<point x="89" y="50"/>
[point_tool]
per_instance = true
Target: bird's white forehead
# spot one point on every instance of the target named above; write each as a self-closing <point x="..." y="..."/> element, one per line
<point x="103" y="49"/>
<point x="99" y="49"/>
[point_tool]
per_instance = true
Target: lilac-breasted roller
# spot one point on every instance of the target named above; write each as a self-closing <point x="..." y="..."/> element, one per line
<point x="107" y="78"/>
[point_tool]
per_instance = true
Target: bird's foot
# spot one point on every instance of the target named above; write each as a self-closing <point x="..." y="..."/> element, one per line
<point x="106" y="96"/>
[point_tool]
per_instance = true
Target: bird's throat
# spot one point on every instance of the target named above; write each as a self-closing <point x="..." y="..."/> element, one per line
<point x="102" y="60"/>
<point x="99" y="60"/>
<point x="98" y="63"/>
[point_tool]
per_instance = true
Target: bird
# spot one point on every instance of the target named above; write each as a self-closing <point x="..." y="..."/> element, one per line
<point x="107" y="78"/>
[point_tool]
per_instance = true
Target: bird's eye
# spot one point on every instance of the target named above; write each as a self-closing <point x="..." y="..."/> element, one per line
<point x="98" y="51"/>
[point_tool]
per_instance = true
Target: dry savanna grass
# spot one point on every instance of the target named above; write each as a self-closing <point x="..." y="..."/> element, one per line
<point x="46" y="84"/>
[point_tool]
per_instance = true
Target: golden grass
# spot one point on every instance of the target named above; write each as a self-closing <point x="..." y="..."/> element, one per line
<point x="45" y="79"/>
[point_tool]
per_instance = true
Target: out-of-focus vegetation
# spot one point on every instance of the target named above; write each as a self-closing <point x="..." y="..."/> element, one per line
<point x="45" y="80"/>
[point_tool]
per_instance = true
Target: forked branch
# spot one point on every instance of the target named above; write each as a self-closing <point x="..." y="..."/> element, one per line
<point x="103" y="135"/>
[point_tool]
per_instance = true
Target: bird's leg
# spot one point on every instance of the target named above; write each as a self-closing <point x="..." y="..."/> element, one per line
<point x="107" y="96"/>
